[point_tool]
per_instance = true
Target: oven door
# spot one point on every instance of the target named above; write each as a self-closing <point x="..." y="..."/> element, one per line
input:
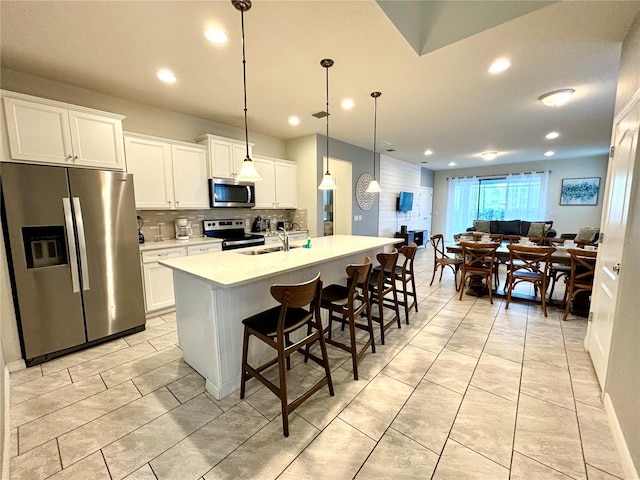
<point x="227" y="193"/>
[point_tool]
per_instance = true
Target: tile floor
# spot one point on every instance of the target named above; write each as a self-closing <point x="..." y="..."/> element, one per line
<point x="468" y="390"/>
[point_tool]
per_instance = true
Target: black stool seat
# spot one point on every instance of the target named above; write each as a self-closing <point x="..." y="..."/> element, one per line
<point x="267" y="322"/>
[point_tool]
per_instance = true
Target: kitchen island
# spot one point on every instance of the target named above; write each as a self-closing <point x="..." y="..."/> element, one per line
<point x="215" y="291"/>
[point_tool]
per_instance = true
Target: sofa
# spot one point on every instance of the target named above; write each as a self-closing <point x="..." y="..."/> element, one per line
<point x="522" y="228"/>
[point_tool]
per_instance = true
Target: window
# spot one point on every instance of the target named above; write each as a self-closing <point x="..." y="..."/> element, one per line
<point x="520" y="196"/>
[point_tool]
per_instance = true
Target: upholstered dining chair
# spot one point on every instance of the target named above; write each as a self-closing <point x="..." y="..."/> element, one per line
<point x="348" y="305"/>
<point x="529" y="264"/>
<point x="478" y="261"/>
<point x="441" y="259"/>
<point x="583" y="266"/>
<point x="299" y="308"/>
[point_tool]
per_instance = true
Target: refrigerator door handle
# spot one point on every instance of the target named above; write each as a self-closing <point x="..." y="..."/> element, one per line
<point x="82" y="243"/>
<point x="73" y="260"/>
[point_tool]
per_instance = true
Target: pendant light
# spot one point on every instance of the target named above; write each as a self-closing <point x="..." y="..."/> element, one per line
<point x="248" y="171"/>
<point x="327" y="179"/>
<point x="374" y="186"/>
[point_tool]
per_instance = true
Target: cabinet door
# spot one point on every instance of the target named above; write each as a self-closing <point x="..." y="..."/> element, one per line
<point x="221" y="153"/>
<point x="190" y="176"/>
<point x="37" y="132"/>
<point x="285" y="185"/>
<point x="205" y="248"/>
<point x="150" y="163"/>
<point x="158" y="286"/>
<point x="96" y="141"/>
<point x="265" y="189"/>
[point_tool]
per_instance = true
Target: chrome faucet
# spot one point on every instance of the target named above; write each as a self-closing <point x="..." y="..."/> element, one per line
<point x="284" y="239"/>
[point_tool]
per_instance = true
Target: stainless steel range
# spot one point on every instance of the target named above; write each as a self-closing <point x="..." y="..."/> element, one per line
<point x="232" y="233"/>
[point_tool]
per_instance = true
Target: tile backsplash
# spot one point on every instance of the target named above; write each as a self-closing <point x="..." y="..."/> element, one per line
<point x="158" y="223"/>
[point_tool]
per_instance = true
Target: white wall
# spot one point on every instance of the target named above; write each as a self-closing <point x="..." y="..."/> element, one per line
<point x="303" y="151"/>
<point x="395" y="176"/>
<point x="566" y="219"/>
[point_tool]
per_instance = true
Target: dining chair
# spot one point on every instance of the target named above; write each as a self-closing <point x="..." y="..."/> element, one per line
<point x="383" y="291"/>
<point x="347" y="305"/>
<point x="441" y="260"/>
<point x="583" y="266"/>
<point x="478" y="261"/>
<point x="299" y="308"/>
<point x="529" y="264"/>
<point x="557" y="270"/>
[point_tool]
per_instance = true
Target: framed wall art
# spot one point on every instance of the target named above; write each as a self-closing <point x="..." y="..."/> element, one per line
<point x="580" y="191"/>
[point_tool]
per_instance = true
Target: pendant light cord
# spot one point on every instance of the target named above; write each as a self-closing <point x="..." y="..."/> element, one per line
<point x="327" y="70"/>
<point x="244" y="83"/>
<point x="375" y="128"/>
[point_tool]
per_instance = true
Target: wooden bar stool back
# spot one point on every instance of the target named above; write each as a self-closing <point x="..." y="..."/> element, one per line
<point x="299" y="308"/>
<point x="407" y="280"/>
<point x="583" y="266"/>
<point x="383" y="291"/>
<point x="347" y="305"/>
<point x="441" y="260"/>
<point x="478" y="260"/>
<point x="529" y="264"/>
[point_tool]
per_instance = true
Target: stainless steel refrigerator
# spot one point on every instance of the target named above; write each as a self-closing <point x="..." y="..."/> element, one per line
<point x="72" y="249"/>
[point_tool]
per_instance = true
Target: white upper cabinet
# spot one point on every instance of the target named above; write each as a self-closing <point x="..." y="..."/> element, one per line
<point x="225" y="155"/>
<point x="55" y="133"/>
<point x="278" y="186"/>
<point x="167" y="174"/>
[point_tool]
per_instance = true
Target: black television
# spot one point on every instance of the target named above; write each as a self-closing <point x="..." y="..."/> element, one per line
<point x="405" y="201"/>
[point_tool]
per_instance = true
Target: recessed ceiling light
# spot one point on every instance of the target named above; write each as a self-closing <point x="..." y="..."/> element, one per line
<point x="549" y="154"/>
<point x="166" y="76"/>
<point x="428" y="152"/>
<point x="499" y="65"/>
<point x="215" y="35"/>
<point x="489" y="155"/>
<point x="551" y="135"/>
<point x="452" y="164"/>
<point x="556" y="98"/>
<point x="347" y="103"/>
<point x="294" y="120"/>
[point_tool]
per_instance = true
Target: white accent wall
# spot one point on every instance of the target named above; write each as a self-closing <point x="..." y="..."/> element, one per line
<point x="395" y="176"/>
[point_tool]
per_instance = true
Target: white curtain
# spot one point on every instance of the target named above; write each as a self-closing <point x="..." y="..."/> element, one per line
<point x="462" y="205"/>
<point x="526" y="196"/>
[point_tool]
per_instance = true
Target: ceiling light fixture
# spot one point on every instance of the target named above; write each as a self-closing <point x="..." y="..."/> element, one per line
<point x="215" y="35"/>
<point x="166" y="76"/>
<point x="551" y="135"/>
<point x="556" y="98"/>
<point x="294" y="121"/>
<point x="489" y="155"/>
<point x="327" y="180"/>
<point x="499" y="65"/>
<point x="452" y="164"/>
<point x="428" y="152"/>
<point x="549" y="154"/>
<point x="248" y="171"/>
<point x="374" y="186"/>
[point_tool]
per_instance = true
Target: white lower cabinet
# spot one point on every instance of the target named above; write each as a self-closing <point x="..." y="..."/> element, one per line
<point x="158" y="280"/>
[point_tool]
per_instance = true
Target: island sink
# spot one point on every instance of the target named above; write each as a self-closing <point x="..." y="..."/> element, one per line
<point x="267" y="250"/>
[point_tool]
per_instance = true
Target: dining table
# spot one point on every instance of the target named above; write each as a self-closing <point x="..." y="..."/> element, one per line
<point x="560" y="256"/>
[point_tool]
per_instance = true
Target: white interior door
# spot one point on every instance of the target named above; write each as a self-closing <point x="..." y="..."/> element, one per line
<point x="613" y="228"/>
<point x="343" y="198"/>
<point x="425" y="206"/>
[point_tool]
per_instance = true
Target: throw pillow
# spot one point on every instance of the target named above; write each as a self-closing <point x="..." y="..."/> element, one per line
<point x="537" y="230"/>
<point x="481" y="226"/>
<point x="587" y="234"/>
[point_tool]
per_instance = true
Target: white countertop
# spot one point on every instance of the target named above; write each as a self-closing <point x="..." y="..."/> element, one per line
<point x="229" y="268"/>
<point x="144" y="247"/>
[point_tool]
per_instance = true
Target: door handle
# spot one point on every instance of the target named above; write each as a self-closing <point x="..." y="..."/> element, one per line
<point x="82" y="244"/>
<point x="616" y="268"/>
<point x="71" y="240"/>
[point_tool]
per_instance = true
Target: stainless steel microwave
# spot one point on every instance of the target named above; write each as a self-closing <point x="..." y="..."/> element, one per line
<point x="225" y="192"/>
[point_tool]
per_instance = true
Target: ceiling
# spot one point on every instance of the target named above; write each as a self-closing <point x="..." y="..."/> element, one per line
<point x="429" y="60"/>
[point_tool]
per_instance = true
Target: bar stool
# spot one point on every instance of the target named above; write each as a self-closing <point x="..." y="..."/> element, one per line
<point x="382" y="285"/>
<point x="345" y="305"/>
<point x="407" y="280"/>
<point x="274" y="327"/>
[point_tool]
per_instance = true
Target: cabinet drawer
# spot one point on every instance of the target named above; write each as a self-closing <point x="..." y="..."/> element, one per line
<point x="201" y="249"/>
<point x="163" y="254"/>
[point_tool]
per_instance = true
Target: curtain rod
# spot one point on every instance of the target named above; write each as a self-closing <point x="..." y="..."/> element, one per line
<point x="503" y="175"/>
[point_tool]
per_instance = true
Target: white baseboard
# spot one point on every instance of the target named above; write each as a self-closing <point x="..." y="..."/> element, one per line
<point x="630" y="472"/>
<point x="6" y="447"/>
<point x="15" y="366"/>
